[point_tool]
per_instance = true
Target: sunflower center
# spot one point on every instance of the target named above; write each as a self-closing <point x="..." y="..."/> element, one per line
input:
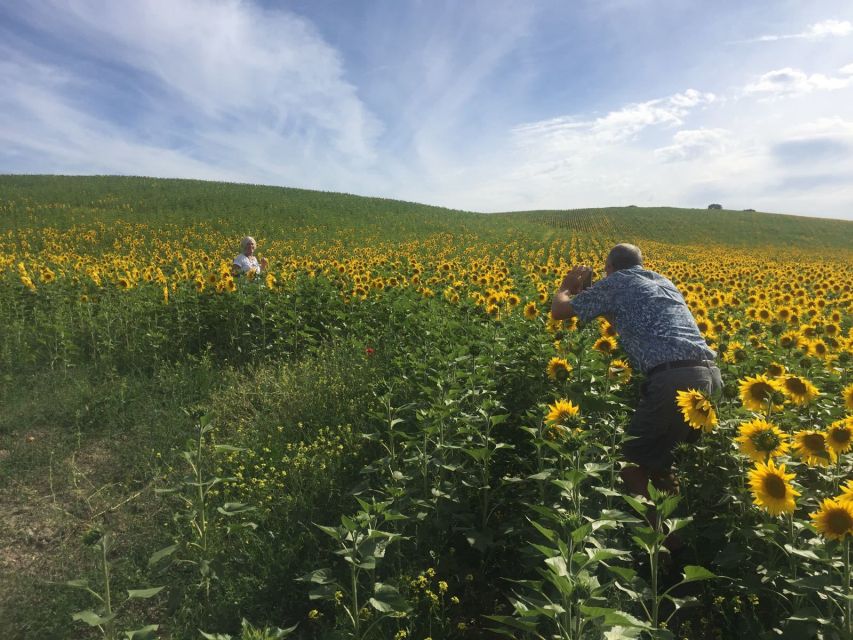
<point x="795" y="385"/>
<point x="765" y="441"/>
<point x="761" y="391"/>
<point x="839" y="521"/>
<point x="840" y="436"/>
<point x="775" y="487"/>
<point x="815" y="442"/>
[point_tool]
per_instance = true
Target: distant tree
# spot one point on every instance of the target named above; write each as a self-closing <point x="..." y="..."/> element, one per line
<point x="753" y="210"/>
<point x="715" y="206"/>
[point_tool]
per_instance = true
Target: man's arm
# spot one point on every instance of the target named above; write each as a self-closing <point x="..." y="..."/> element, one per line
<point x="561" y="305"/>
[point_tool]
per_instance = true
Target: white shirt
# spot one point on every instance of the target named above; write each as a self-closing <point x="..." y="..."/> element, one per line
<point x="247" y="263"/>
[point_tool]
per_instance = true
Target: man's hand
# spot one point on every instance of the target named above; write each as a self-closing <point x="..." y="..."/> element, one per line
<point x="264" y="263"/>
<point x="574" y="280"/>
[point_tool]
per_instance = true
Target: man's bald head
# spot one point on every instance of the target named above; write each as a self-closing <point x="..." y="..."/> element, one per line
<point x="624" y="256"/>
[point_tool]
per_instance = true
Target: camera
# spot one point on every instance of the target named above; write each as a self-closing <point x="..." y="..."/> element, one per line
<point x="586" y="281"/>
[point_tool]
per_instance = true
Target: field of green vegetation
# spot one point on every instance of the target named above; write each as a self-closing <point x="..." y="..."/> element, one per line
<point x="384" y="435"/>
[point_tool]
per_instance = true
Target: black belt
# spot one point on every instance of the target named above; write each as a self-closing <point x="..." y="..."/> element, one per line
<point x="679" y="364"/>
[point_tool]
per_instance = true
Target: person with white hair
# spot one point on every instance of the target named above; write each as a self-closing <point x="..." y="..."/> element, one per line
<point x="247" y="261"/>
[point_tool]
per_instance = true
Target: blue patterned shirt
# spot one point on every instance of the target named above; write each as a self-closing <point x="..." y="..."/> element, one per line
<point x="650" y="315"/>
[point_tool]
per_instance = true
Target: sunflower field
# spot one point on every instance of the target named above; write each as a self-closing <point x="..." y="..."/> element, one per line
<point x="383" y="435"/>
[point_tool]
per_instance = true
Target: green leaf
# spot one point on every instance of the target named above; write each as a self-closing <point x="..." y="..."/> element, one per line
<point x="622" y="633"/>
<point x="693" y="573"/>
<point x="802" y="553"/>
<point x="234" y="508"/>
<point x="91" y="618"/>
<point x="162" y="553"/>
<point x="318" y="576"/>
<point x="215" y="636"/>
<point x="387" y="599"/>
<point x="220" y="448"/>
<point x="82" y="583"/>
<point x="332" y="531"/>
<point x="499" y="419"/>
<point x="144" y="593"/>
<point x="548" y="533"/>
<point x="581" y="532"/>
<point x="613" y="616"/>
<point x="558" y="566"/>
<point x="145" y="633"/>
<point x="638" y="506"/>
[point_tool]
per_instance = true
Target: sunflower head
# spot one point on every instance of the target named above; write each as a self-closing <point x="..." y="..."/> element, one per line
<point x="605" y="345"/>
<point x="846" y="492"/>
<point x="811" y="446"/>
<point x="620" y="371"/>
<point x="558" y="369"/>
<point x="531" y="310"/>
<point x="697" y="410"/>
<point x="775" y="370"/>
<point x="799" y="390"/>
<point x="735" y="353"/>
<point x="771" y="488"/>
<point x="758" y="393"/>
<point x="761" y="440"/>
<point x="847" y="394"/>
<point x="839" y="435"/>
<point x="564" y="413"/>
<point x="834" y="519"/>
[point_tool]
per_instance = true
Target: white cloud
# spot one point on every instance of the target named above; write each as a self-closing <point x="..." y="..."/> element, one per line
<point x="619" y="125"/>
<point x="846" y="69"/>
<point x="230" y="90"/>
<point x="816" y="31"/>
<point x="790" y="81"/>
<point x="690" y="144"/>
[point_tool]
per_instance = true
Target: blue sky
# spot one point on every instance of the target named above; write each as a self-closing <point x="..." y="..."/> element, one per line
<point x="480" y="105"/>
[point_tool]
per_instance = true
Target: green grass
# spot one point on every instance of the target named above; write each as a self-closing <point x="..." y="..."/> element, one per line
<point x="61" y="201"/>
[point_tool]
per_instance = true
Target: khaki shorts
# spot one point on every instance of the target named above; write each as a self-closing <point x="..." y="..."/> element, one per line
<point x="658" y="425"/>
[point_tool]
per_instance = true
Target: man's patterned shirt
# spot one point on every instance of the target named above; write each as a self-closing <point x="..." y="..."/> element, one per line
<point x="650" y="315"/>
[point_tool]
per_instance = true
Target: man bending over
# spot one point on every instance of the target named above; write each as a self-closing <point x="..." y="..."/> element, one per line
<point x="660" y="337"/>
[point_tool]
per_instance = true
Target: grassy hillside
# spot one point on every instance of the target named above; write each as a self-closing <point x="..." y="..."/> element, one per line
<point x="63" y="200"/>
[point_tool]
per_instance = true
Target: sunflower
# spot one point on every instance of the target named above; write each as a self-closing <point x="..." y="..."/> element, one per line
<point x="558" y="369"/>
<point x="605" y="345"/>
<point x="620" y="371"/>
<point x="846" y="492"/>
<point x="811" y="446"/>
<point x="819" y="348"/>
<point x="531" y="310"/>
<point x="735" y="353"/>
<point x="775" y="370"/>
<point x="834" y="519"/>
<point x="838" y="435"/>
<point x="757" y="393"/>
<point x="761" y="440"/>
<point x="788" y="340"/>
<point x="771" y="488"/>
<point x="847" y="394"/>
<point x="799" y="390"/>
<point x="697" y="410"/>
<point x="563" y="412"/>
<point x="606" y="329"/>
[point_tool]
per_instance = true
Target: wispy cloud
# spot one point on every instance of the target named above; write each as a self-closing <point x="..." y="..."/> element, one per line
<point x="618" y="125"/>
<point x="690" y="144"/>
<point x="791" y="82"/>
<point x="231" y="90"/>
<point x="816" y="31"/>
